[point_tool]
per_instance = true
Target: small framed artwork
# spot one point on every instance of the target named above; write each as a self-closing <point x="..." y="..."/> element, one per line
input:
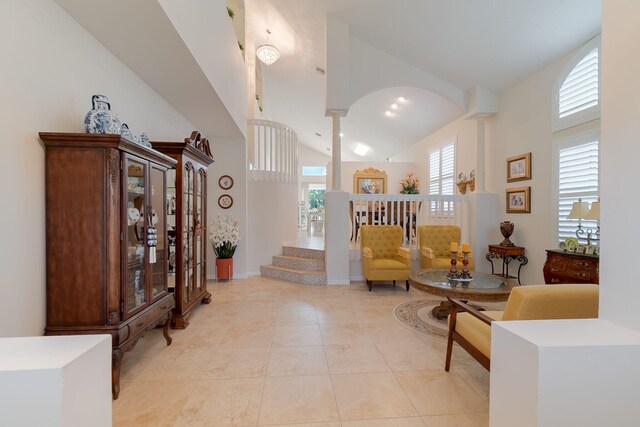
<point x="225" y="182"/>
<point x="519" y="200"/>
<point x="519" y="168"/>
<point x="225" y="201"/>
<point x="581" y="249"/>
<point x="590" y="250"/>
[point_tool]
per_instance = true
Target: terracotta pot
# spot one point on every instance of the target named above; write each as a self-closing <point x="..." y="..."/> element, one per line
<point x="224" y="268"/>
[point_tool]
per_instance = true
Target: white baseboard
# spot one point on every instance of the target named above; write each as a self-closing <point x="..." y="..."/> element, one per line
<point x="235" y="276"/>
<point x="357" y="278"/>
<point x="338" y="282"/>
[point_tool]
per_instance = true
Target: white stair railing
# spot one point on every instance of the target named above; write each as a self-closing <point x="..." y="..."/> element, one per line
<point x="408" y="211"/>
<point x="273" y="152"/>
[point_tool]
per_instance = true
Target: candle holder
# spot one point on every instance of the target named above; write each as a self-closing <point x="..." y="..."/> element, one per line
<point x="465" y="266"/>
<point x="453" y="273"/>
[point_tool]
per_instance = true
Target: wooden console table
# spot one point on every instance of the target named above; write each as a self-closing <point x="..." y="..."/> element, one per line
<point x="570" y="267"/>
<point x="508" y="254"/>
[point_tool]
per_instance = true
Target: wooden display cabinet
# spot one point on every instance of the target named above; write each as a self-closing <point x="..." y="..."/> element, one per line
<point x="187" y="204"/>
<point x="105" y="195"/>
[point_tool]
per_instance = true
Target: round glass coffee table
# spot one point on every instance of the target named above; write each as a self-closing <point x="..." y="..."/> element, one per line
<point x="481" y="287"/>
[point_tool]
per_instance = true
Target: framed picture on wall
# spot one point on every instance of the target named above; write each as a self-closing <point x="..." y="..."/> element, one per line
<point x="519" y="168"/>
<point x="370" y="181"/>
<point x="225" y="201"/>
<point x="519" y="200"/>
<point x="225" y="182"/>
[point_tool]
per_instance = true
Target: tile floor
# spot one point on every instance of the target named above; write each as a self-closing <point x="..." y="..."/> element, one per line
<point x="269" y="353"/>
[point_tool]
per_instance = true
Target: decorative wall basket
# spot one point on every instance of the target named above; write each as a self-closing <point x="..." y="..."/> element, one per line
<point x="472" y="185"/>
<point x="462" y="187"/>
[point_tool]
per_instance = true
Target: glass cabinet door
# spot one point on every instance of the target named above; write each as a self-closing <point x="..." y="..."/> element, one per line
<point x="171" y="227"/>
<point x="157" y="220"/>
<point x="199" y="232"/>
<point x="135" y="295"/>
<point x="187" y="232"/>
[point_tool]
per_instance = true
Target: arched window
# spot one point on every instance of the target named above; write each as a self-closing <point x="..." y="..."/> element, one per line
<point x="577" y="92"/>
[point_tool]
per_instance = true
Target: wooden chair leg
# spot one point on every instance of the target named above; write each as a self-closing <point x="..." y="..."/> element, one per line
<point x="452" y="326"/>
<point x="369" y="282"/>
<point x="407" y="285"/>
<point x="394" y="283"/>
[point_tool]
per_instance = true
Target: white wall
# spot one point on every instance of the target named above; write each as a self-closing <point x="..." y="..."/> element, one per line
<point x="51" y="68"/>
<point x="230" y="156"/>
<point x="272" y="216"/>
<point x="464" y="132"/>
<point x="620" y="129"/>
<point x="205" y="28"/>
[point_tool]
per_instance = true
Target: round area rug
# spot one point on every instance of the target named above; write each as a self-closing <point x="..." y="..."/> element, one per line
<point x="417" y="316"/>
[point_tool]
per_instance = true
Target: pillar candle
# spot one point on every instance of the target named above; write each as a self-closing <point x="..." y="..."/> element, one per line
<point x="453" y="247"/>
<point x="466" y="247"/>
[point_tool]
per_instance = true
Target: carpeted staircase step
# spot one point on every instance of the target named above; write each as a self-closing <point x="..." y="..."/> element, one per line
<point x="298" y="263"/>
<point x="298" y="276"/>
<point x="303" y="252"/>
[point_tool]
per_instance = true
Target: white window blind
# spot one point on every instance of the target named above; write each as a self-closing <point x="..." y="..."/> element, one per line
<point x="579" y="90"/>
<point x="441" y="169"/>
<point x="577" y="178"/>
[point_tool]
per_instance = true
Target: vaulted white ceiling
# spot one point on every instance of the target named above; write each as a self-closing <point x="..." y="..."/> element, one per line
<point x="488" y="43"/>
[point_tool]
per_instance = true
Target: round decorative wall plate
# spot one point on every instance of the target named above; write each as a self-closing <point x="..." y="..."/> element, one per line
<point x="225" y="182"/>
<point x="225" y="201"/>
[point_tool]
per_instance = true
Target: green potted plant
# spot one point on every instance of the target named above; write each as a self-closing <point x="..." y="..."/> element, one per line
<point x="410" y="185"/>
<point x="224" y="236"/>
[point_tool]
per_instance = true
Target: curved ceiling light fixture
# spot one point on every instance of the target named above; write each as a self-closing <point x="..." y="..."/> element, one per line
<point x="268" y="53"/>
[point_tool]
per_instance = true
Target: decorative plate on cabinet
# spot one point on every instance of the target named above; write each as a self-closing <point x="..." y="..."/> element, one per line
<point x="225" y="201"/>
<point x="225" y="182"/>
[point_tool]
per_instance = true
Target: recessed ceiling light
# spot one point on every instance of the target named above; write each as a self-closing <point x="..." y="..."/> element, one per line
<point x="361" y="149"/>
<point x="394" y="106"/>
<point x="341" y="134"/>
<point x="402" y="99"/>
<point x="388" y="113"/>
<point x="318" y="134"/>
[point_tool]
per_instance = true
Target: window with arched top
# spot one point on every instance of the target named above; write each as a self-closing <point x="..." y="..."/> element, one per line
<point x="577" y="92"/>
<point x="576" y="110"/>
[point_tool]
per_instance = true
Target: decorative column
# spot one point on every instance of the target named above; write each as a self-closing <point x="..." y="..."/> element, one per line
<point x="336" y="155"/>
<point x="480" y="154"/>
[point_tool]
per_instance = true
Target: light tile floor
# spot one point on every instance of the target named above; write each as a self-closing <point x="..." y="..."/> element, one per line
<point x="268" y="353"/>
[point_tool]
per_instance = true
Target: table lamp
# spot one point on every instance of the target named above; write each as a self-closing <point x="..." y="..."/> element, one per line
<point x="580" y="210"/>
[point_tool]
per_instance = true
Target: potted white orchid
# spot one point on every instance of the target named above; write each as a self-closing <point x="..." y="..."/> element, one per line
<point x="224" y="235"/>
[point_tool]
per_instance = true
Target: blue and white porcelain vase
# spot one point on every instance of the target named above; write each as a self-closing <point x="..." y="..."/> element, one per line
<point x="101" y="119"/>
<point x="126" y="133"/>
<point x="144" y="140"/>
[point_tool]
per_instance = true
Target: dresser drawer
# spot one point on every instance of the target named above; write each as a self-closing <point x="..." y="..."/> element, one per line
<point x="566" y="267"/>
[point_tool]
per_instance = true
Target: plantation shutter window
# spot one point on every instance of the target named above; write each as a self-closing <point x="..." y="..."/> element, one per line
<point x="577" y="179"/>
<point x="442" y="170"/>
<point x="579" y="90"/>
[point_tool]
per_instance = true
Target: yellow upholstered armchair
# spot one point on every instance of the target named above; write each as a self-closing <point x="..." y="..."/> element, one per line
<point x="383" y="257"/>
<point x="472" y="328"/>
<point x="435" y="241"/>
